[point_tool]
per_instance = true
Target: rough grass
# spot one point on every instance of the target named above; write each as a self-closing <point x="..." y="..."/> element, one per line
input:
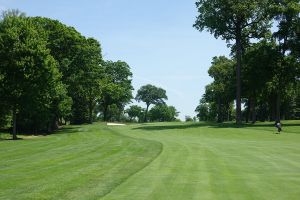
<point x="155" y="161"/>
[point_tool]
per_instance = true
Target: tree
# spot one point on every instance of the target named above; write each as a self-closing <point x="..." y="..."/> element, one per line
<point x="150" y="94"/>
<point x="221" y="91"/>
<point x="188" y="118"/>
<point x="260" y="66"/>
<point x="203" y="111"/>
<point x="12" y="13"/>
<point x="30" y="78"/>
<point x="116" y="87"/>
<point x="296" y="110"/>
<point x="163" y="113"/>
<point x="86" y="83"/>
<point x="79" y="60"/>
<point x="234" y="20"/>
<point x="134" y="112"/>
<point x="216" y="103"/>
<point x="286" y="13"/>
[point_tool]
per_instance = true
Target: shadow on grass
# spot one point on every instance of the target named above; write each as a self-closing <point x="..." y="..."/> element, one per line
<point x="174" y="126"/>
<point x="11" y="139"/>
<point x="209" y="125"/>
<point x="67" y="130"/>
<point x="5" y="134"/>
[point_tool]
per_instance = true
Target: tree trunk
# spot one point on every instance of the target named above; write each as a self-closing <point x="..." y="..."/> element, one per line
<point x="146" y="113"/>
<point x="238" y="77"/>
<point x="105" y="112"/>
<point x="248" y="115"/>
<point x="277" y="118"/>
<point x="253" y="111"/>
<point x="119" y="117"/>
<point x="55" y="124"/>
<point x="91" y="113"/>
<point x="281" y="85"/>
<point x="219" y="111"/>
<point x="15" y="123"/>
<point x="228" y="112"/>
<point x="272" y="104"/>
<point x="63" y="121"/>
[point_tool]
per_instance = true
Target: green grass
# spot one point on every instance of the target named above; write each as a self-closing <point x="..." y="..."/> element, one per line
<point x="155" y="161"/>
<point x="79" y="163"/>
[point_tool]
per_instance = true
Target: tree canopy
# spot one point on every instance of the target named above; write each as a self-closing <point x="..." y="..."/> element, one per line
<point x="267" y="69"/>
<point x="163" y="113"/>
<point x="151" y="94"/>
<point x="237" y="21"/>
<point x="116" y="88"/>
<point x="135" y="113"/>
<point x="51" y="74"/>
<point x="31" y="80"/>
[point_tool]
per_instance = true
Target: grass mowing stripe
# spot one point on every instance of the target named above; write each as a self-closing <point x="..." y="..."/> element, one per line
<point x="207" y="162"/>
<point x="81" y="164"/>
<point x="196" y="161"/>
<point x="149" y="162"/>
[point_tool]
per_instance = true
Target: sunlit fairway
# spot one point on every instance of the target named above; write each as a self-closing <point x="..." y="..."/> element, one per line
<point x="154" y="161"/>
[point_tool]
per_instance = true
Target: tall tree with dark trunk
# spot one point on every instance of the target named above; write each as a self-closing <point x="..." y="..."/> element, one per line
<point x="260" y="61"/>
<point x="234" y="20"/>
<point x="286" y="13"/>
<point x="150" y="94"/>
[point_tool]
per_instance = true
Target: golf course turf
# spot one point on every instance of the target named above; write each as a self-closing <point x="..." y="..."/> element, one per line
<point x="154" y="161"/>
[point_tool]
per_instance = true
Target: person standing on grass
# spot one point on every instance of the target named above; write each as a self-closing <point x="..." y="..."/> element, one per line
<point x="278" y="126"/>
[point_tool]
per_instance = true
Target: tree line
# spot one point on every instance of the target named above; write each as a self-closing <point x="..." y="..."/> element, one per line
<point x="50" y="74"/>
<point x="263" y="72"/>
<point x="160" y="112"/>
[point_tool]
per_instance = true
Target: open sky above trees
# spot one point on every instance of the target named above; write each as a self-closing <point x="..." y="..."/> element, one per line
<point x="160" y="45"/>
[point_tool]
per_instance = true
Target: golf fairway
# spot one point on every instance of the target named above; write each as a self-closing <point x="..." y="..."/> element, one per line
<point x="154" y="161"/>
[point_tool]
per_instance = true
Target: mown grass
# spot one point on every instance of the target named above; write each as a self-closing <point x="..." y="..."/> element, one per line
<point x="217" y="161"/>
<point x="77" y="163"/>
<point x="155" y="161"/>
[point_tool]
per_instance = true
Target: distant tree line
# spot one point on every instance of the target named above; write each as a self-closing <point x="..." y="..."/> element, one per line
<point x="160" y="112"/>
<point x="262" y="74"/>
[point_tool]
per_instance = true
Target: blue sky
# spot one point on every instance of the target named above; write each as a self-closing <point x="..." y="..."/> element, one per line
<point x="155" y="38"/>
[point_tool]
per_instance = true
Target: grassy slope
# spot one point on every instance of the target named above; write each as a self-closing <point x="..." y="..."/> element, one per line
<point x="176" y="161"/>
<point x="208" y="162"/>
<point x="83" y="163"/>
